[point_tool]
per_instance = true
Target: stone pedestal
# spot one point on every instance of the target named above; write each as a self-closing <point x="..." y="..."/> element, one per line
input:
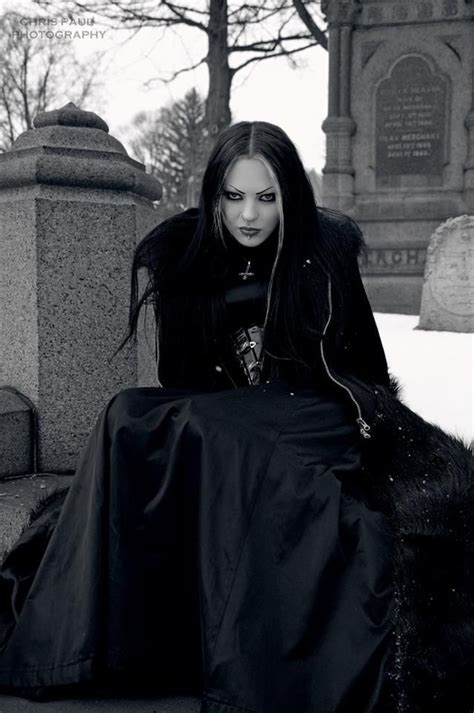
<point x="447" y="302"/>
<point x="72" y="207"/>
<point x="408" y="90"/>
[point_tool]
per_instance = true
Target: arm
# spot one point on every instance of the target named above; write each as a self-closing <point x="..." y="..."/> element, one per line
<point x="362" y="346"/>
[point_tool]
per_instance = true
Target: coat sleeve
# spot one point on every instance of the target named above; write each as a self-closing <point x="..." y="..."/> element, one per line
<point x="362" y="346"/>
<point x="357" y="347"/>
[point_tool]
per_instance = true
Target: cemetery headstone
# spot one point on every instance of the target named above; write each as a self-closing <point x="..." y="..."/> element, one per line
<point x="447" y="302"/>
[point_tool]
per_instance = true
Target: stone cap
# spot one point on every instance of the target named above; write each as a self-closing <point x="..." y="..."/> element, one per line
<point x="70" y="147"/>
<point x="12" y="402"/>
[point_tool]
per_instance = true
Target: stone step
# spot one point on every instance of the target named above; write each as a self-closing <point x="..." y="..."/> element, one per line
<point x="18" y="498"/>
<point x="17" y="425"/>
<point x="9" y="704"/>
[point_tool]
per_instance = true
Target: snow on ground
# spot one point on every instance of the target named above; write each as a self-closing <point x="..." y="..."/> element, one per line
<point x="435" y="369"/>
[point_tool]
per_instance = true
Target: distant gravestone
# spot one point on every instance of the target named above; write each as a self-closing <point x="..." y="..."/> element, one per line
<point x="447" y="302"/>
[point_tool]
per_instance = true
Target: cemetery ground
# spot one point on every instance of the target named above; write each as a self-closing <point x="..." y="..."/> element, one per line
<point x="435" y="370"/>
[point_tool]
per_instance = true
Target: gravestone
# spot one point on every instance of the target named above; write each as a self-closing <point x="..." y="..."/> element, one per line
<point x="411" y="123"/>
<point x="447" y="302"/>
<point x="400" y="131"/>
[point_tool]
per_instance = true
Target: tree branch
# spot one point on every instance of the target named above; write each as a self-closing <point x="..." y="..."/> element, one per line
<point x="271" y="44"/>
<point x="282" y="53"/>
<point x="178" y="72"/>
<point x="306" y="18"/>
<point x="181" y="18"/>
<point x="256" y="14"/>
<point x="125" y="12"/>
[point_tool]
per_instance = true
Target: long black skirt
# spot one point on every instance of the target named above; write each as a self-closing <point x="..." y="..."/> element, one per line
<point x="217" y="543"/>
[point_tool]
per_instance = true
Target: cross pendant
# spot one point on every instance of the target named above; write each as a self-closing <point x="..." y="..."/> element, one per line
<point x="247" y="273"/>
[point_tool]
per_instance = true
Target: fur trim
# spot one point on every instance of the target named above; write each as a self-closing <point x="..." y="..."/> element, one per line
<point x="423" y="479"/>
<point x="343" y="231"/>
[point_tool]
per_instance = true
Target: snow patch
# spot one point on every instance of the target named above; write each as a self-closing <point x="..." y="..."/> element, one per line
<point x="435" y="370"/>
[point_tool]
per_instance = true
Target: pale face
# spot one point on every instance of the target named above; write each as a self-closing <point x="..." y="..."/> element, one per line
<point x="249" y="202"/>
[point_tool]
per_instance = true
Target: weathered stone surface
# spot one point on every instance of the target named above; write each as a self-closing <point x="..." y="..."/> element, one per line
<point x="71" y="147"/>
<point x="16" y="435"/>
<point x="72" y="209"/>
<point x="70" y="115"/>
<point x="402" y="73"/>
<point x="447" y="302"/>
<point x="101" y="705"/>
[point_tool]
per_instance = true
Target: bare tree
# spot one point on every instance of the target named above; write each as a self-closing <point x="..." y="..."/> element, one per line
<point x="172" y="143"/>
<point x="238" y="34"/>
<point x="36" y="74"/>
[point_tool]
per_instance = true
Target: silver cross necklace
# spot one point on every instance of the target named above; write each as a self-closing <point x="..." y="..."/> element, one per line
<point x="248" y="272"/>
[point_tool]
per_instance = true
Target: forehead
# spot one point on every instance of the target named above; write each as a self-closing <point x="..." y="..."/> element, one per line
<point x="249" y="175"/>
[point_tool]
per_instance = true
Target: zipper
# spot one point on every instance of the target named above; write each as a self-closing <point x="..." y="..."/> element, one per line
<point x="364" y="427"/>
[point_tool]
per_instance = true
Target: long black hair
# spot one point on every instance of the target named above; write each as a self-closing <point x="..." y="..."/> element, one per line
<point x="307" y="256"/>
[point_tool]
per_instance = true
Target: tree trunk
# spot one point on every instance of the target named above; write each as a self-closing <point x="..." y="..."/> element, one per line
<point x="220" y="74"/>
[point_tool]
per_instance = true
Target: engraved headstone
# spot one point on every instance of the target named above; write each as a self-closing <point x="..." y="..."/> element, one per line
<point x="411" y="122"/>
<point x="447" y="302"/>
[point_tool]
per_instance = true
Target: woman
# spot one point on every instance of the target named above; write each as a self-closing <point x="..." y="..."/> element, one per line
<point x="258" y="530"/>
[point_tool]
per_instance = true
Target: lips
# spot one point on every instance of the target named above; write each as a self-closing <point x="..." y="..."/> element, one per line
<point x="249" y="232"/>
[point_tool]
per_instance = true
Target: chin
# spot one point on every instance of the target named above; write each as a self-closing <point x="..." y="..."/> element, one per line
<point x="252" y="243"/>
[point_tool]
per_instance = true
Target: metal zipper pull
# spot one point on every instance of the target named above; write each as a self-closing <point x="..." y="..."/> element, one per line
<point x="364" y="428"/>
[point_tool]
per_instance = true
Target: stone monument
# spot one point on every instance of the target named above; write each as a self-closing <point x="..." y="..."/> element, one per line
<point x="447" y="301"/>
<point x="72" y="206"/>
<point x="400" y="131"/>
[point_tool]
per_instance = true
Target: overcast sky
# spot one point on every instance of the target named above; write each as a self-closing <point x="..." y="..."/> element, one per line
<point x="296" y="99"/>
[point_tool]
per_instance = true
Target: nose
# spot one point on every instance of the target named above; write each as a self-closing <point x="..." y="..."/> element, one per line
<point x="249" y="211"/>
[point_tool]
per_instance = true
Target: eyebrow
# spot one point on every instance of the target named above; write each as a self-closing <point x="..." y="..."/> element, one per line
<point x="257" y="192"/>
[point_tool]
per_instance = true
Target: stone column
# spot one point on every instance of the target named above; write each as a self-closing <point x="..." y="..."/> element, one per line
<point x="72" y="206"/>
<point x="338" y="173"/>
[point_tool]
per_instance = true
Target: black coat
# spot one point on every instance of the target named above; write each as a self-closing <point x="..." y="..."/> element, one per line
<point x="184" y="301"/>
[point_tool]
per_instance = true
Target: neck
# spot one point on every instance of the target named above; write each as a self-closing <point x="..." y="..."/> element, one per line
<point x="261" y="257"/>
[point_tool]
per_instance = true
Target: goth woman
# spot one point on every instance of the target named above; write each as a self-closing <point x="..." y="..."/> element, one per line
<point x="269" y="527"/>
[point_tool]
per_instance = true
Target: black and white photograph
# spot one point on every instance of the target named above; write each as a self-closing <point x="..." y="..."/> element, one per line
<point x="236" y="356"/>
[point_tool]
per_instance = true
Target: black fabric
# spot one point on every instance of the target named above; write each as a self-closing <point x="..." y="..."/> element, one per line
<point x="237" y="515"/>
<point x="245" y="305"/>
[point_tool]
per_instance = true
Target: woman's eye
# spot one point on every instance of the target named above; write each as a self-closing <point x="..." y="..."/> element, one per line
<point x="231" y="196"/>
<point x="267" y="197"/>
